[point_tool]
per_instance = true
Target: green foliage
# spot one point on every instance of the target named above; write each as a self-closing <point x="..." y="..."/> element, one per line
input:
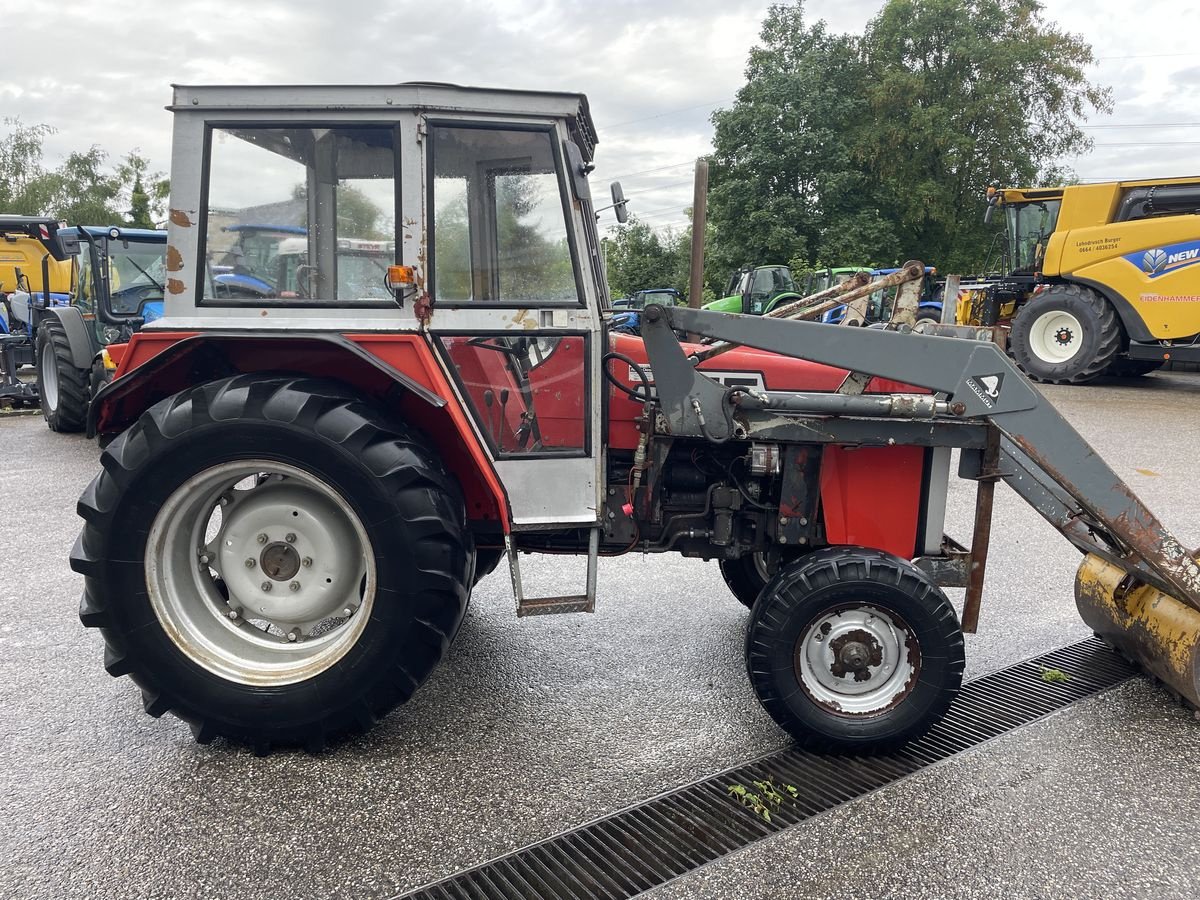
<point x="82" y="189"/>
<point x="1054" y="676"/>
<point x="766" y="798"/>
<point x="872" y="149"/>
<point x="638" y="259"/>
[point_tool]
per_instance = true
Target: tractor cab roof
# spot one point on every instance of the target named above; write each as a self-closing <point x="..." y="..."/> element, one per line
<point x="118" y="232"/>
<point x="417" y="95"/>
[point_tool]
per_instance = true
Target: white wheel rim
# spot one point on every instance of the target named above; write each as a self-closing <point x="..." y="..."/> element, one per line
<point x="857" y="660"/>
<point x="208" y="568"/>
<point x="49" y="377"/>
<point x="1055" y="337"/>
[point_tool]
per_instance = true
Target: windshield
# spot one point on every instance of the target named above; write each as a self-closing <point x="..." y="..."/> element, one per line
<point x="136" y="274"/>
<point x="1029" y="227"/>
<point x="768" y="283"/>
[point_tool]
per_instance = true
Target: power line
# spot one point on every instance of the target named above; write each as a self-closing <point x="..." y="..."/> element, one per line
<point x="688" y="162"/>
<point x="669" y="112"/>
<point x="1147" y="125"/>
<point x="661" y="187"/>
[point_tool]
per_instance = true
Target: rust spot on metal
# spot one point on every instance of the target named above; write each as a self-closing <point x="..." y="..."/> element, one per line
<point x="854" y="652"/>
<point x="180" y="218"/>
<point x="423" y="308"/>
<point x="174" y="261"/>
<point x="175" y="286"/>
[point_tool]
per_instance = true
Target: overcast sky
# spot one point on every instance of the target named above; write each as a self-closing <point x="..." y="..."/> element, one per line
<point x="653" y="71"/>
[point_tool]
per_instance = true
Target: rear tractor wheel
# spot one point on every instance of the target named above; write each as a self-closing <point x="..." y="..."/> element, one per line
<point x="63" y="388"/>
<point x="747" y="575"/>
<point x="854" y="650"/>
<point x="272" y="561"/>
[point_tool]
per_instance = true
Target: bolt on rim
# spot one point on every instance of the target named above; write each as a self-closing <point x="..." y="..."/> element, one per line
<point x="857" y="660"/>
<point x="260" y="572"/>
<point x="1055" y="336"/>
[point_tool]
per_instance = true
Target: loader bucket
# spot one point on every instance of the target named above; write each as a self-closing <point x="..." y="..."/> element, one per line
<point x="1152" y="628"/>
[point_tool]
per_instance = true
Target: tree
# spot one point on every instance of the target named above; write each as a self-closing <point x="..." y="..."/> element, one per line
<point x="869" y="150"/>
<point x="82" y="189"/>
<point x="964" y="92"/>
<point x="637" y="259"/>
<point x="785" y="182"/>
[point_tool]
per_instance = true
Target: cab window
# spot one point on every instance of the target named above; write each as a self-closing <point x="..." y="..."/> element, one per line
<point x="499" y="220"/>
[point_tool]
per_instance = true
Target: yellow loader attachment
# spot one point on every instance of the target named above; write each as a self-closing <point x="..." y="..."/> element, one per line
<point x="1151" y="627"/>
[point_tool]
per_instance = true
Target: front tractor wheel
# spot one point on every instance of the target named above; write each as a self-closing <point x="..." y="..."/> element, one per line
<point x="1066" y="335"/>
<point x="272" y="561"/>
<point x="854" y="650"/>
<point x="63" y="388"/>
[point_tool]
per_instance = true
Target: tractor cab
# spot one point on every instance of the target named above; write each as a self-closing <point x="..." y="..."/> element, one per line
<point x="1030" y="217"/>
<point x="755" y="291"/>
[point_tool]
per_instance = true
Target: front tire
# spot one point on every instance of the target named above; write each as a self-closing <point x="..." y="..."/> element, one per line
<point x="272" y="560"/>
<point x="1066" y="335"/>
<point x="63" y="388"/>
<point x="853" y="650"/>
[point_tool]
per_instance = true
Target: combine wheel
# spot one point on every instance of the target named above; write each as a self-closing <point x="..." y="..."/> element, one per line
<point x="272" y="561"/>
<point x="1066" y="335"/>
<point x="854" y="650"/>
<point x="64" y="388"/>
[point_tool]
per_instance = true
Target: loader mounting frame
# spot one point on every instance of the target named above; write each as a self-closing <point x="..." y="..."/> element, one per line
<point x="975" y="388"/>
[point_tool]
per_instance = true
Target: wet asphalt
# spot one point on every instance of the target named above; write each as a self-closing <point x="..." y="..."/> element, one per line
<point x="533" y="726"/>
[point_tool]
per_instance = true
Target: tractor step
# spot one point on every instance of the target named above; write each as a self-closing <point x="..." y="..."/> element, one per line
<point x="549" y="606"/>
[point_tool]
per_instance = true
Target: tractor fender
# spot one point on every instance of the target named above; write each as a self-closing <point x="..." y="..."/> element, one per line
<point x="83" y="343"/>
<point x="398" y="372"/>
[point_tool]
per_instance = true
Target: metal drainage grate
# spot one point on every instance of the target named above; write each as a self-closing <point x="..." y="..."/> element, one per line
<point x="648" y="844"/>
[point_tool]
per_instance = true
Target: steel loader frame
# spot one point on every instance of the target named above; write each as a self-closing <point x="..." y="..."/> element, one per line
<point x="981" y="404"/>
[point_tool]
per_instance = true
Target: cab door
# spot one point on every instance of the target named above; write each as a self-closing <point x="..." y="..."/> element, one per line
<point x="513" y="309"/>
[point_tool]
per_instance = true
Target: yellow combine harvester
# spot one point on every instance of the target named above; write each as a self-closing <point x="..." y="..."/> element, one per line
<point x="1102" y="278"/>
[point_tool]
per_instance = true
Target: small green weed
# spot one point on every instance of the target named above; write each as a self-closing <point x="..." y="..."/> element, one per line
<point x="767" y="797"/>
<point x="1054" y="676"/>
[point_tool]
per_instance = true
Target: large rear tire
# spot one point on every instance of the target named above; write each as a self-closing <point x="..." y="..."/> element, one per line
<point x="63" y="388"/>
<point x="272" y="560"/>
<point x="1068" y="334"/>
<point x="853" y="650"/>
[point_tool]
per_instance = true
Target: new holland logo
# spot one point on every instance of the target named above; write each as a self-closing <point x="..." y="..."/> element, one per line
<point x="986" y="388"/>
<point x="1154" y="261"/>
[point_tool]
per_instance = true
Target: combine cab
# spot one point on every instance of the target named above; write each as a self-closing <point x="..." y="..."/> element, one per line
<point x="299" y="492"/>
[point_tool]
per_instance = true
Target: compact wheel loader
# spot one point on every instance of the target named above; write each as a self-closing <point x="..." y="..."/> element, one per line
<point x="1101" y="278"/>
<point x="298" y="494"/>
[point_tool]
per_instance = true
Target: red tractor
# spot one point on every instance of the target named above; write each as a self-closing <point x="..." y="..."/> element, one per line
<point x="299" y="492"/>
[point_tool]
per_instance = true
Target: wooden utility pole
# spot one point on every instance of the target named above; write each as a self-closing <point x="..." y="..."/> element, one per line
<point x="699" y="217"/>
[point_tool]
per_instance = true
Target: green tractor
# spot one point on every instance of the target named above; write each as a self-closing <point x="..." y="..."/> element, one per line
<point x="755" y="291"/>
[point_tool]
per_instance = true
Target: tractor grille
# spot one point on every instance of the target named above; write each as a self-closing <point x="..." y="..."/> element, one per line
<point x="650" y="843"/>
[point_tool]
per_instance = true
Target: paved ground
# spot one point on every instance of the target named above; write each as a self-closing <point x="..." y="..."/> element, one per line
<point x="537" y="725"/>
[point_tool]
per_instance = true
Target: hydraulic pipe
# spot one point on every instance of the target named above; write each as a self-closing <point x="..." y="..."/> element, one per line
<point x="905" y="406"/>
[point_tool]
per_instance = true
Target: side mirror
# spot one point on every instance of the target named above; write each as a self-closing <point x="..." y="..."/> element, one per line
<point x="619" y="203"/>
<point x="987" y="214"/>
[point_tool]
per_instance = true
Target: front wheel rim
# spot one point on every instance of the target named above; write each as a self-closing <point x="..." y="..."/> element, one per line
<point x="49" y="376"/>
<point x="1055" y="337"/>
<point x="260" y="572"/>
<point x="857" y="660"/>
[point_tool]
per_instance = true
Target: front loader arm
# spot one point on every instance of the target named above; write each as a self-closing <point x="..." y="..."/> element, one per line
<point x="1041" y="456"/>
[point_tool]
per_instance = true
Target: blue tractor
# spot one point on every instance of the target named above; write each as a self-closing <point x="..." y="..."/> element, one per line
<point x="879" y="308"/>
<point x="249" y="268"/>
<point x="119" y="287"/>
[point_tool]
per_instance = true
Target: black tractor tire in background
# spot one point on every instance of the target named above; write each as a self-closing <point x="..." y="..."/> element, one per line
<point x="746" y="576"/>
<point x="410" y="508"/>
<point x="1034" y="346"/>
<point x="830" y="622"/>
<point x="63" y="388"/>
<point x="1123" y="367"/>
<point x="928" y="315"/>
